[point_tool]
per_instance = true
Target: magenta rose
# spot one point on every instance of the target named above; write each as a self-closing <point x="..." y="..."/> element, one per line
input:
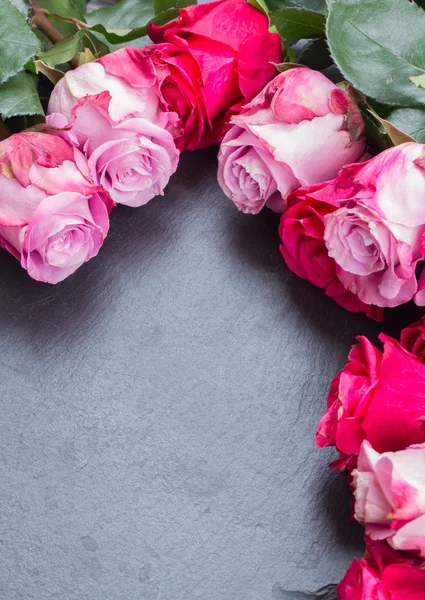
<point x="378" y="397"/>
<point x="219" y="55"/>
<point x="303" y="248"/>
<point x="300" y="130"/>
<point x="53" y="218"/>
<point x="132" y="160"/>
<point x="375" y="236"/>
<point x="389" y="490"/>
<point x="383" y="574"/>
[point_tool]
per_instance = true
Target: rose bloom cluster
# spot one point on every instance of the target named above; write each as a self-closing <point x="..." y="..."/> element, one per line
<point x="116" y="127"/>
<point x="376" y="420"/>
<point x="351" y="226"/>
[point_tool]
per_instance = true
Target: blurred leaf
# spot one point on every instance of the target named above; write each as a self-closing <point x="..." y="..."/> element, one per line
<point x="19" y="96"/>
<point x="163" y="5"/>
<point x="18" y="43"/>
<point x="411" y="121"/>
<point x="391" y="34"/>
<point x="64" y="8"/>
<point x="316" y="55"/>
<point x="81" y="5"/>
<point x="294" y="24"/>
<point x="316" y="5"/>
<point x="22" y="5"/>
<point x="63" y="51"/>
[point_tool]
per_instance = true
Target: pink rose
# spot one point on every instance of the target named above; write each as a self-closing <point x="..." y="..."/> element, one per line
<point x="132" y="160"/>
<point x="219" y="55"/>
<point x="300" y="130"/>
<point x="303" y="247"/>
<point x="383" y="574"/>
<point x="131" y="78"/>
<point x="413" y="339"/>
<point x="53" y="218"/>
<point x="389" y="489"/>
<point x="375" y="236"/>
<point x="378" y="397"/>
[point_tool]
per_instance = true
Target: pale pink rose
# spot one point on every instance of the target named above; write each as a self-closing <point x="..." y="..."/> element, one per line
<point x="389" y="489"/>
<point x="53" y="218"/>
<point x="300" y="130"/>
<point x="132" y="160"/>
<point x="375" y="236"/>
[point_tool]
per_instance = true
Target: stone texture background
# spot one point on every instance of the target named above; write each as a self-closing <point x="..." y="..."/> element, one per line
<point x="158" y="412"/>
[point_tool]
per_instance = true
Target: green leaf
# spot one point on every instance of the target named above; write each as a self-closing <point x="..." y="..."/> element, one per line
<point x="395" y="134"/>
<point x="411" y="121"/>
<point x="19" y="96"/>
<point x="163" y="5"/>
<point x="125" y="14"/>
<point x="64" y="8"/>
<point x="18" y="43"/>
<point x="94" y="45"/>
<point x="120" y="37"/>
<point x="38" y="66"/>
<point x="316" y="5"/>
<point x="63" y="51"/>
<point x="295" y="24"/>
<point x="81" y="5"/>
<point x="316" y="55"/>
<point x="22" y="5"/>
<point x="379" y="45"/>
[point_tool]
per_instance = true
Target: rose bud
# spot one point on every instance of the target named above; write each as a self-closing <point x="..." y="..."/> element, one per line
<point x="300" y="130"/>
<point x="132" y="160"/>
<point x="219" y="55"/>
<point x="370" y="400"/>
<point x="303" y="247"/>
<point x="389" y="490"/>
<point x="383" y="574"/>
<point x="53" y="218"/>
<point x="375" y="235"/>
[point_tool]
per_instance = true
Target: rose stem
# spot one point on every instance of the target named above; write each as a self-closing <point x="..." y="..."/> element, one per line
<point x="41" y="22"/>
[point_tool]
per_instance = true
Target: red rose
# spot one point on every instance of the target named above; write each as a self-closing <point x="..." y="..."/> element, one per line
<point x="413" y="339"/>
<point x="378" y="397"/>
<point x="219" y="56"/>
<point x="383" y="574"/>
<point x="303" y="247"/>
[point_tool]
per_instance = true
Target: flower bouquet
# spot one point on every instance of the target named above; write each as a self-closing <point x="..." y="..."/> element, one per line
<point x="318" y="112"/>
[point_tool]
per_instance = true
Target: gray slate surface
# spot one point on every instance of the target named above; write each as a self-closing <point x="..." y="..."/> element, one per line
<point x="158" y="411"/>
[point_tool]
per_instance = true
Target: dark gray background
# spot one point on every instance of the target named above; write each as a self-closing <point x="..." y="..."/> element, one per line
<point x="158" y="412"/>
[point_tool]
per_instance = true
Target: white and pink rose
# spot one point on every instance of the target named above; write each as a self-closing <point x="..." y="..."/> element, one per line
<point x="300" y="130"/>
